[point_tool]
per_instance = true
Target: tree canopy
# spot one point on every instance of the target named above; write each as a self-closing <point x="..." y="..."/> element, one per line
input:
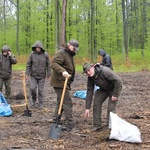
<point x="118" y="26"/>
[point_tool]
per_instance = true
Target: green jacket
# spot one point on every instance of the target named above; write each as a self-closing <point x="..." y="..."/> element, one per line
<point x="106" y="79"/>
<point x="62" y="61"/>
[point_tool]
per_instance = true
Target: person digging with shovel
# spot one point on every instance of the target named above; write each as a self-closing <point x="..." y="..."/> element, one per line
<point x="63" y="66"/>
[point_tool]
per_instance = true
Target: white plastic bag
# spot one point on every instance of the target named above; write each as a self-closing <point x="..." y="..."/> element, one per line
<point x="122" y="130"/>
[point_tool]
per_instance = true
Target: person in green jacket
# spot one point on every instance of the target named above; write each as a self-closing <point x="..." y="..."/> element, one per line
<point x="110" y="87"/>
<point x="63" y="66"/>
<point x="6" y="62"/>
<point x="38" y="68"/>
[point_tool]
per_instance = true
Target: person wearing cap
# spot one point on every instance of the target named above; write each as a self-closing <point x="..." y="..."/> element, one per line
<point x="110" y="87"/>
<point x="6" y="62"/>
<point x="38" y="68"/>
<point x="106" y="60"/>
<point x="63" y="66"/>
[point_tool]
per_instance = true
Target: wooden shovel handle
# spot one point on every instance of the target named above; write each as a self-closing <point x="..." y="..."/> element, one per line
<point x="24" y="86"/>
<point x="62" y="96"/>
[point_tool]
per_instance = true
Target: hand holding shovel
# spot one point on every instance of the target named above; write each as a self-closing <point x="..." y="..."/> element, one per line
<point x="56" y="127"/>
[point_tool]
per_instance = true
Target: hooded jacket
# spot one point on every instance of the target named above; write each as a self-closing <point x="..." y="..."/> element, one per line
<point x="106" y="61"/>
<point x="6" y="63"/>
<point x="62" y="61"/>
<point x="38" y="64"/>
<point x="106" y="79"/>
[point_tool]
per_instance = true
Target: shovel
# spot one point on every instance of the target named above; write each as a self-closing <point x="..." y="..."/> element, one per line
<point x="27" y="112"/>
<point x="56" y="127"/>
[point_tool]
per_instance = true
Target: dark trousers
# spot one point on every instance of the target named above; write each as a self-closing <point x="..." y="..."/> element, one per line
<point x="67" y="106"/>
<point x="37" y="85"/>
<point x="100" y="97"/>
<point x="7" y="84"/>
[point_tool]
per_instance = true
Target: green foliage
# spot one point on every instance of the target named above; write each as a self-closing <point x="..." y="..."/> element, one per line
<point x="37" y="22"/>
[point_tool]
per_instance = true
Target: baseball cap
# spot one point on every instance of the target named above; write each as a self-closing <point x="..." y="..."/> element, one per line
<point x="74" y="43"/>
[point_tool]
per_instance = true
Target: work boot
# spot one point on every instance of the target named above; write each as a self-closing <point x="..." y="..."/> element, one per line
<point x="33" y="105"/>
<point x="68" y="128"/>
<point x="96" y="129"/>
<point x="40" y="106"/>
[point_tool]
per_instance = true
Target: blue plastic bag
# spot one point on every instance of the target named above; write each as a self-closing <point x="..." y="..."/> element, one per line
<point x="80" y="94"/>
<point x="5" y="109"/>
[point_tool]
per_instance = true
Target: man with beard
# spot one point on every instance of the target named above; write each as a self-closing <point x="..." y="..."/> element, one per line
<point x="63" y="66"/>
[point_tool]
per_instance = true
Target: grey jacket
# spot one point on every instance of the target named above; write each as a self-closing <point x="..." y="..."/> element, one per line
<point x="38" y="64"/>
<point x="6" y="63"/>
<point x="106" y="61"/>
<point x="106" y="79"/>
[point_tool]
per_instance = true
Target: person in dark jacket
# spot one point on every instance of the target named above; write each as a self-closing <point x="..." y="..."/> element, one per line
<point x="63" y="66"/>
<point x="110" y="86"/>
<point x="106" y="61"/>
<point x="6" y="62"/>
<point x="38" y="67"/>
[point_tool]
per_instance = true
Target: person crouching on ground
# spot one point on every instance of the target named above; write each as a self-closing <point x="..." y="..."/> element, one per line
<point x="106" y="60"/>
<point x="6" y="62"/>
<point x="110" y="86"/>
<point x="63" y="66"/>
<point x="38" y="67"/>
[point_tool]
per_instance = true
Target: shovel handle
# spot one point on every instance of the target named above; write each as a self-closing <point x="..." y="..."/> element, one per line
<point x="62" y="96"/>
<point x="24" y="87"/>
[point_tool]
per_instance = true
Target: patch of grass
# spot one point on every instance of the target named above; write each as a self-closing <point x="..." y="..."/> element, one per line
<point x="134" y="63"/>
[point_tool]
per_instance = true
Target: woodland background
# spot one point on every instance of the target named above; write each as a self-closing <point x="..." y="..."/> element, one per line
<point x="121" y="27"/>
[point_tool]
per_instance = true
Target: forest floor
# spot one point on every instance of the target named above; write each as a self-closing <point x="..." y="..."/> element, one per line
<point x="32" y="133"/>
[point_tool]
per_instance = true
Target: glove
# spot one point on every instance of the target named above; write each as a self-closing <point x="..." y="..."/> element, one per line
<point x="65" y="74"/>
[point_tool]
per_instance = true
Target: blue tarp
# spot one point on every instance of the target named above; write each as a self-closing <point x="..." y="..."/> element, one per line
<point x="80" y="94"/>
<point x="5" y="109"/>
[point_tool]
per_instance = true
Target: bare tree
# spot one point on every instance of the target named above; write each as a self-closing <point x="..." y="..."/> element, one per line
<point x="57" y="23"/>
<point x="63" y="25"/>
<point x="125" y="27"/>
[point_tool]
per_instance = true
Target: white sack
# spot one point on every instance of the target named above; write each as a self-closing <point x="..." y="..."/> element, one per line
<point x="122" y="130"/>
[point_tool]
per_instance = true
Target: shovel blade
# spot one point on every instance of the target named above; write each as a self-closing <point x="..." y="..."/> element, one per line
<point x="55" y="131"/>
<point x="27" y="113"/>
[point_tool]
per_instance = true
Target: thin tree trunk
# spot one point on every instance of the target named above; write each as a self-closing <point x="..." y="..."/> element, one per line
<point x="63" y="26"/>
<point x="47" y="25"/>
<point x="57" y="23"/>
<point x="4" y="23"/>
<point x="143" y="12"/>
<point x="17" y="34"/>
<point x="92" y="31"/>
<point x="125" y="28"/>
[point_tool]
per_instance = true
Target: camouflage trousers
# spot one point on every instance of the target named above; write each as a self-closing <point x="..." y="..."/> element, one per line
<point x="7" y="84"/>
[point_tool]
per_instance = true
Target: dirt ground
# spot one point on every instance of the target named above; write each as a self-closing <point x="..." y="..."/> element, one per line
<point x="31" y="133"/>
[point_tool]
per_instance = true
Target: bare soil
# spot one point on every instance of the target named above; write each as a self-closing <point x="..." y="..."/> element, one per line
<point x="31" y="133"/>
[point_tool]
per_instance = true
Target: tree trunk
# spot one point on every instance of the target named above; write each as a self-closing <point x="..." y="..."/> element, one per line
<point x="143" y="27"/>
<point x="17" y="33"/>
<point x="63" y="25"/>
<point x="92" y="31"/>
<point x="125" y="28"/>
<point x="4" y="23"/>
<point x="57" y="24"/>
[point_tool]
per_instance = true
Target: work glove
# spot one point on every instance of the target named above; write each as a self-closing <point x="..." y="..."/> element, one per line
<point x="65" y="74"/>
